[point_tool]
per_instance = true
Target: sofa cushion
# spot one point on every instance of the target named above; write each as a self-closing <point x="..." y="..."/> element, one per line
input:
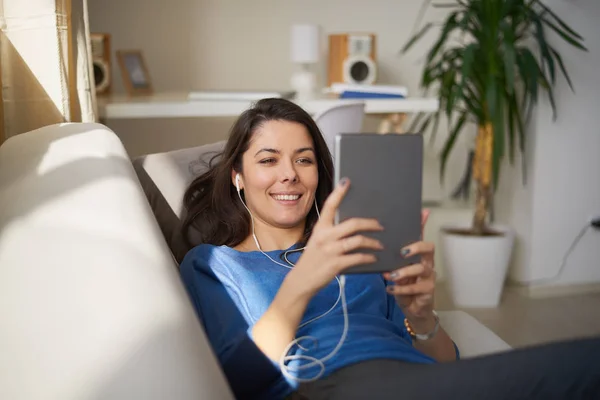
<point x="165" y="177"/>
<point x="91" y="302"/>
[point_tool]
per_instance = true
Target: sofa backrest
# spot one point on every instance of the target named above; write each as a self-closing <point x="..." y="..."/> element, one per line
<point x="165" y="178"/>
<point x="91" y="303"/>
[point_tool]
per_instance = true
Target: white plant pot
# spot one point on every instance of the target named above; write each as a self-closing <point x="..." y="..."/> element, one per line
<point x="476" y="266"/>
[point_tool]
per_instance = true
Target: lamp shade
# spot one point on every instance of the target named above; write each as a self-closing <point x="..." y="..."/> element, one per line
<point x="305" y="43"/>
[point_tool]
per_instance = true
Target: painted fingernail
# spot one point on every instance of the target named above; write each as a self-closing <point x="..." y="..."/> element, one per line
<point x="389" y="289"/>
<point x="405" y="252"/>
<point x="394" y="275"/>
<point x="343" y="181"/>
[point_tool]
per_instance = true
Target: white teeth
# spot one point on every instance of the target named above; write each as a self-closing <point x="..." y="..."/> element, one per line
<point x="288" y="197"/>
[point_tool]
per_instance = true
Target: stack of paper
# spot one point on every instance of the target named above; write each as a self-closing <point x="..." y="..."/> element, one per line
<point x="238" y="95"/>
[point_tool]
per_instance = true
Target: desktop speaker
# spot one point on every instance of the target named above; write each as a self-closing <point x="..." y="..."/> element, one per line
<point x="101" y="62"/>
<point x="352" y="58"/>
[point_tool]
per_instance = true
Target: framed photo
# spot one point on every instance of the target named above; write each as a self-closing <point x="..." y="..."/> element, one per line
<point x="134" y="72"/>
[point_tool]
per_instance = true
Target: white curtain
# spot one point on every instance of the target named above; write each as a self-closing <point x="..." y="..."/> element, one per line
<point x="45" y="67"/>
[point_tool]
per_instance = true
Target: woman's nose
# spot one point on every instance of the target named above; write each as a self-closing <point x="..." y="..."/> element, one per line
<point x="288" y="173"/>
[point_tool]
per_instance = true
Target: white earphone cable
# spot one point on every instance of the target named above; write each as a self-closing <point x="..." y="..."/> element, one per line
<point x="285" y="369"/>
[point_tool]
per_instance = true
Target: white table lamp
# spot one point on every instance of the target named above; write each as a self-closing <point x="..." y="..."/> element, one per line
<point x="304" y="51"/>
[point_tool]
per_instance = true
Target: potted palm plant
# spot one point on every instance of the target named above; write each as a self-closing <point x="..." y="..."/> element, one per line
<point x="488" y="65"/>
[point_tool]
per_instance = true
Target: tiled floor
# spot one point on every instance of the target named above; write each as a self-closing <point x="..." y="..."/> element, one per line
<point x="523" y="321"/>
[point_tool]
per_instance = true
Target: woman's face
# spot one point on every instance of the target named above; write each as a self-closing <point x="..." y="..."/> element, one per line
<point x="280" y="174"/>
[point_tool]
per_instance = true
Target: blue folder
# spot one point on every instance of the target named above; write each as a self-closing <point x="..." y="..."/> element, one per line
<point x="369" y="95"/>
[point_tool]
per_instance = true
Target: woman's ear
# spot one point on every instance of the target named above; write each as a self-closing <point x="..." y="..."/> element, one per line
<point x="236" y="179"/>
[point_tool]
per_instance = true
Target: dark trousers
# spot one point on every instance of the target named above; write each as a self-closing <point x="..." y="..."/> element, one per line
<point x="565" y="370"/>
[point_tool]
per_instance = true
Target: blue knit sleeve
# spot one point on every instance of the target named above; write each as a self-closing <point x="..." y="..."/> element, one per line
<point x="249" y="372"/>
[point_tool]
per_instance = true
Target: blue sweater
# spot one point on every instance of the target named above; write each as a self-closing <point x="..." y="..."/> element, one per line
<point x="231" y="290"/>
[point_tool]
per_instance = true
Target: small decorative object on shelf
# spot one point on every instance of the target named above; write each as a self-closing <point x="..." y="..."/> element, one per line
<point x="101" y="62"/>
<point x="352" y="58"/>
<point x="304" y="51"/>
<point x="134" y="72"/>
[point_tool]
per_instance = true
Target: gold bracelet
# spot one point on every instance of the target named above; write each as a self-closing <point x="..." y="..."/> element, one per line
<point x="423" y="336"/>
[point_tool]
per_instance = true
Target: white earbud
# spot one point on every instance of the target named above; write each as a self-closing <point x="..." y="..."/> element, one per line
<point x="237" y="182"/>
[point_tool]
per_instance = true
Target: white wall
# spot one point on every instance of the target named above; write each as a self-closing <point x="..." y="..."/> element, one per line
<point x="251" y="38"/>
<point x="238" y="44"/>
<point x="244" y="45"/>
<point x="567" y="173"/>
<point x="563" y="190"/>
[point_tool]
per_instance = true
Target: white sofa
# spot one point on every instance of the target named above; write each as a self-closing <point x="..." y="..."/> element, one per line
<point x="91" y="306"/>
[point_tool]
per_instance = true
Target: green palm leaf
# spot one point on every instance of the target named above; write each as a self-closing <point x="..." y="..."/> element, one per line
<point x="498" y="120"/>
<point x="496" y="71"/>
<point x="560" y="22"/>
<point x="561" y="65"/>
<point x="418" y="36"/>
<point x="450" y="143"/>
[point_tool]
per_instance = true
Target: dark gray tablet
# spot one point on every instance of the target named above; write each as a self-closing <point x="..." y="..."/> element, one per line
<point x="386" y="175"/>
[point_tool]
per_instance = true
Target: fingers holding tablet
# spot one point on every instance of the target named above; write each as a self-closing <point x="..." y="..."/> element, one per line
<point x="423" y="249"/>
<point x="333" y="248"/>
<point x="334" y="200"/>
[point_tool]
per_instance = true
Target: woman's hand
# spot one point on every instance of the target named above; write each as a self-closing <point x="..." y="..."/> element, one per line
<point x="326" y="253"/>
<point x="414" y="288"/>
<point x="414" y="285"/>
<point x="324" y="257"/>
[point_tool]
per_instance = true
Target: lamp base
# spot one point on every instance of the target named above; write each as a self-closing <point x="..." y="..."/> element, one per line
<point x="304" y="84"/>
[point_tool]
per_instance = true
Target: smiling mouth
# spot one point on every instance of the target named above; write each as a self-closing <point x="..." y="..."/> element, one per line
<point x="286" y="197"/>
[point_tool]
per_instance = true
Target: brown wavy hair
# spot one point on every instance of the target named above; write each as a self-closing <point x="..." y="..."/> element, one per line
<point x="214" y="213"/>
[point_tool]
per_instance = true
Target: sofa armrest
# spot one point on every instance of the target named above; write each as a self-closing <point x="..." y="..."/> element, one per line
<point x="471" y="336"/>
<point x="91" y="300"/>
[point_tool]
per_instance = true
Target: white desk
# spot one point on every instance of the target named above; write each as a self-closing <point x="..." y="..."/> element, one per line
<point x="177" y="105"/>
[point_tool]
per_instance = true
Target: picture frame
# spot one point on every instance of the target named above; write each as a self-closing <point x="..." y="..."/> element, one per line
<point x="134" y="72"/>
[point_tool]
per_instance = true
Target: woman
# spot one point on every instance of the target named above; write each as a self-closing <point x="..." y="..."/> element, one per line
<point x="269" y="269"/>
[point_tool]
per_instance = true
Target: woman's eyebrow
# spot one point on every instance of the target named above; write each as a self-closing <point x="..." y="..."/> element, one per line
<point x="275" y="151"/>
<point x="303" y="149"/>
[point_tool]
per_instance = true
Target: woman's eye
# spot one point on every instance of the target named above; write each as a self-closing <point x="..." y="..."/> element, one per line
<point x="305" y="161"/>
<point x="267" y="161"/>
